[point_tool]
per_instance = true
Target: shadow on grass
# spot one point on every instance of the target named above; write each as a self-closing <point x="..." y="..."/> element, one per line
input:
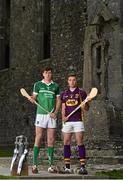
<point x="115" y="174"/>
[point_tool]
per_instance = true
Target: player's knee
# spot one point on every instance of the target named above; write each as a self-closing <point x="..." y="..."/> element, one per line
<point x="66" y="141"/>
<point x="51" y="140"/>
<point x="79" y="142"/>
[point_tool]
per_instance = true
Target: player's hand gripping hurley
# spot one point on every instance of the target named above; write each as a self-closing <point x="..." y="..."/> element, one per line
<point x="90" y="96"/>
<point x="25" y="94"/>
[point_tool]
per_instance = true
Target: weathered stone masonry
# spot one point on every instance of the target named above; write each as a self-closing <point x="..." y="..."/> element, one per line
<point x="68" y="20"/>
<point x="102" y="68"/>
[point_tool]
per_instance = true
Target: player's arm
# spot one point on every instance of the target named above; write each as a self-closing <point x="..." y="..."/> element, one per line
<point x="34" y="94"/>
<point x="58" y="103"/>
<point x="33" y="98"/>
<point x="85" y="107"/>
<point x="64" y="118"/>
<point x="57" y="107"/>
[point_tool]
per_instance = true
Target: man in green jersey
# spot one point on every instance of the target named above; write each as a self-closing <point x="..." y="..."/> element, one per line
<point x="46" y="93"/>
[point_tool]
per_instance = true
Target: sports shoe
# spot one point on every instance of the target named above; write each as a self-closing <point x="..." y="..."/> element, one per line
<point x="52" y="169"/>
<point x="67" y="170"/>
<point x="34" y="169"/>
<point x="82" y="170"/>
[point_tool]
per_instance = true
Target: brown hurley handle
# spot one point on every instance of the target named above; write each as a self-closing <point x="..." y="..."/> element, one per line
<point x="25" y="94"/>
<point x="90" y="96"/>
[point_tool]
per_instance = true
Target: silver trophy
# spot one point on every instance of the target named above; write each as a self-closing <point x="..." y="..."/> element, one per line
<point x="20" y="153"/>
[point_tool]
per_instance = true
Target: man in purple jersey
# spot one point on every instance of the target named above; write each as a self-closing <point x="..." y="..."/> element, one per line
<point x="71" y="98"/>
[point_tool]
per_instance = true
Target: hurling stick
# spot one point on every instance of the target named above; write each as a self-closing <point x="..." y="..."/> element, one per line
<point x="90" y="96"/>
<point x="25" y="94"/>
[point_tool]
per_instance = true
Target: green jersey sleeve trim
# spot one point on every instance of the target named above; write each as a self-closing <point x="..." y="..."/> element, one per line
<point x="35" y="88"/>
<point x="35" y="93"/>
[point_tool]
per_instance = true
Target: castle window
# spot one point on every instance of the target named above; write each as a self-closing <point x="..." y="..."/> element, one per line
<point x="122" y="69"/>
<point x="44" y="30"/>
<point x="100" y="27"/>
<point x="98" y="67"/>
<point x="98" y="57"/>
<point x="4" y="33"/>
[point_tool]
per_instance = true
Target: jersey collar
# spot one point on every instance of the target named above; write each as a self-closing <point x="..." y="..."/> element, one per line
<point x="76" y="89"/>
<point x="46" y="83"/>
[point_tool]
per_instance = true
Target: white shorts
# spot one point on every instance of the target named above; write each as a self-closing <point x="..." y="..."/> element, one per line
<point x="45" y="121"/>
<point x="72" y="127"/>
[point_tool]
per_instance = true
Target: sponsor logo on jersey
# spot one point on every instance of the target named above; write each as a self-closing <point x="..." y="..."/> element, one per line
<point x="71" y="102"/>
<point x="48" y="95"/>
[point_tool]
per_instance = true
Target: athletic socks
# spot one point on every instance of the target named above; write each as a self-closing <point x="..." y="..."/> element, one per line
<point x="50" y="152"/>
<point x="35" y="155"/>
<point x="67" y="154"/>
<point x="82" y="155"/>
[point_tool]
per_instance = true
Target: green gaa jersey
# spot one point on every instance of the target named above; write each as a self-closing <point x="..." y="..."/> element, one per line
<point x="46" y="95"/>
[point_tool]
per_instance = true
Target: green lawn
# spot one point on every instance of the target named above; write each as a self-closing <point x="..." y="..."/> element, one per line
<point x="8" y="177"/>
<point x="6" y="152"/>
<point x="116" y="174"/>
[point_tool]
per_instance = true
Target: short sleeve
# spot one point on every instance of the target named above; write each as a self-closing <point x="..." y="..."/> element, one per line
<point x="62" y="97"/>
<point x="35" y="89"/>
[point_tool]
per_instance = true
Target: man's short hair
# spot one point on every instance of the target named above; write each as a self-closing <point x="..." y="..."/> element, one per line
<point x="46" y="69"/>
<point x="71" y="75"/>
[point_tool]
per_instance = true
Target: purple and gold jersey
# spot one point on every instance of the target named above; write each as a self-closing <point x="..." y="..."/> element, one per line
<point x="72" y="99"/>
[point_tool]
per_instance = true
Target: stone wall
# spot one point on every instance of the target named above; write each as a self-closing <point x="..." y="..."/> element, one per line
<point x="104" y="120"/>
<point x="68" y="20"/>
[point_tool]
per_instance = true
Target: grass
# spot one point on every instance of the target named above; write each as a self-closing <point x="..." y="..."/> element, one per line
<point x="8" y="177"/>
<point x="6" y="152"/>
<point x="115" y="174"/>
